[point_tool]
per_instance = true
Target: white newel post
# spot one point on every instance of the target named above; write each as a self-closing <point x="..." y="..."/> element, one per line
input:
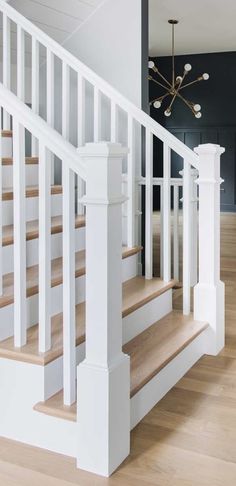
<point x="104" y="375"/>
<point x="209" y="293"/>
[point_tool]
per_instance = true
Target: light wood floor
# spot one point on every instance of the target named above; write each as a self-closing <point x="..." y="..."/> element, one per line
<point x="188" y="439"/>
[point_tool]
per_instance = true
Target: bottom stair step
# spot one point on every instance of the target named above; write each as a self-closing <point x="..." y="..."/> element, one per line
<point x="149" y="353"/>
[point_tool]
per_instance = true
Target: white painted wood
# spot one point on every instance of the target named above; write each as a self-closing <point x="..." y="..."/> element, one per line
<point x="6" y="64"/>
<point x="1" y="206"/>
<point x="102" y="86"/>
<point x="81" y="137"/>
<point x="149" y="207"/>
<point x="50" y="87"/>
<point x="114" y="122"/>
<point x="35" y="88"/>
<point x="97" y="115"/>
<point x="69" y="371"/>
<point x="209" y="293"/>
<point x="20" y="63"/>
<point x="166" y="214"/>
<point x="103" y="428"/>
<point x="156" y="389"/>
<point x="131" y="185"/>
<point x="40" y="129"/>
<point x="65" y="101"/>
<point x="194" y="228"/>
<point x="176" y="232"/>
<point x="186" y="237"/>
<point x="161" y="230"/>
<point x="19" y="234"/>
<point x="44" y="249"/>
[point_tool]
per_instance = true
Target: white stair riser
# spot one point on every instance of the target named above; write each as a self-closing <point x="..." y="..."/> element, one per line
<point x="133" y="324"/>
<point x="23" y="385"/>
<point x="31" y="175"/>
<point x="7" y="146"/>
<point x="7" y="312"/>
<point x="32" y="250"/>
<point x="32" y="208"/>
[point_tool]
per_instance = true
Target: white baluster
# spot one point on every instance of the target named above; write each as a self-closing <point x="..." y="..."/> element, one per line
<point x="35" y="88"/>
<point x="50" y="88"/>
<point x="103" y="378"/>
<point x="194" y="228"/>
<point x="209" y="305"/>
<point x="186" y="237"/>
<point x="1" y="252"/>
<point x="166" y="214"/>
<point x="131" y="185"/>
<point x="161" y="231"/>
<point x="19" y="234"/>
<point x="6" y="64"/>
<point x="176" y="232"/>
<point x="149" y="207"/>
<point x="81" y="138"/>
<point x="20" y="63"/>
<point x="44" y="249"/>
<point x="69" y="363"/>
<point x="65" y="100"/>
<point x="97" y="114"/>
<point x="114" y="122"/>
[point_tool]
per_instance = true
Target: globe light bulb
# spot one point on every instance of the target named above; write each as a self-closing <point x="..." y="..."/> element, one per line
<point x="179" y="79"/>
<point x="187" y="67"/>
<point x="167" y="112"/>
<point x="151" y="64"/>
<point x="205" y="76"/>
<point x="197" y="107"/>
<point x="198" y="115"/>
<point x="157" y="104"/>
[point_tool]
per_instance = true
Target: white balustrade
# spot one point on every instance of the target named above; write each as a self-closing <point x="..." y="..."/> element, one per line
<point x="149" y="206"/>
<point x="131" y="193"/>
<point x="166" y="214"/>
<point x="1" y="208"/>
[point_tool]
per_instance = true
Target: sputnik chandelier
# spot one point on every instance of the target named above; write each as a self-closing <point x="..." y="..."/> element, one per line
<point x="174" y="89"/>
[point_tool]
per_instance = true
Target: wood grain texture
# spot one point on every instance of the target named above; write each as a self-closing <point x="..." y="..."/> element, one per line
<point x="189" y="437"/>
<point x="28" y="161"/>
<point x="32" y="231"/>
<point x="31" y="191"/>
<point x="56" y="275"/>
<point x="149" y="353"/>
<point x="30" y="354"/>
<point x="7" y="133"/>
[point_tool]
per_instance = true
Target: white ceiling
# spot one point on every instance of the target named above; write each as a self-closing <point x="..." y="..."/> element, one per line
<point x="205" y="26"/>
<point x="58" y="18"/>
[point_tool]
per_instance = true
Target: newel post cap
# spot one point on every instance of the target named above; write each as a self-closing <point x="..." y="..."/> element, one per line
<point x="209" y="149"/>
<point x="102" y="149"/>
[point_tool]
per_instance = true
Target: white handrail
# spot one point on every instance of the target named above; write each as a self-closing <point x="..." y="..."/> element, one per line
<point x="117" y="98"/>
<point x="40" y="129"/>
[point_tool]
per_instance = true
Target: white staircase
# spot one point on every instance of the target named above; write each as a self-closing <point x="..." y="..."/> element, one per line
<point x="88" y="345"/>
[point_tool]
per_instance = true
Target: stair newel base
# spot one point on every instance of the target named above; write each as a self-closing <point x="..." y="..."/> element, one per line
<point x="209" y="304"/>
<point x="104" y="375"/>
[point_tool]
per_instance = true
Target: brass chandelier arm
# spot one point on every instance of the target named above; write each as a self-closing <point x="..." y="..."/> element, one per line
<point x="177" y="91"/>
<point x="161" y="98"/>
<point x="188" y="103"/>
<point x="198" y="80"/>
<point x="158" y="82"/>
<point x="164" y="79"/>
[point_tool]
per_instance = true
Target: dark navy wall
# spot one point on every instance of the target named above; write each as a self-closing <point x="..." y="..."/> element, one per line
<point x="218" y="123"/>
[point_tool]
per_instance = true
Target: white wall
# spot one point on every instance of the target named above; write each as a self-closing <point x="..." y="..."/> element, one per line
<point x="110" y="44"/>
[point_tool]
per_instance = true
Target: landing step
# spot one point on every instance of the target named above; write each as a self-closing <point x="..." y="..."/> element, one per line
<point x="56" y="275"/>
<point x="28" y="160"/>
<point x="32" y="229"/>
<point x="31" y="191"/>
<point x="136" y="292"/>
<point x="149" y="353"/>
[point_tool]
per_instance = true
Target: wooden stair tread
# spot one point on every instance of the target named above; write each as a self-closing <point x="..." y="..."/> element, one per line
<point x="31" y="191"/>
<point x="7" y="133"/>
<point x="28" y="160"/>
<point x="149" y="353"/>
<point x="32" y="231"/>
<point x="56" y="275"/>
<point x="29" y="353"/>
